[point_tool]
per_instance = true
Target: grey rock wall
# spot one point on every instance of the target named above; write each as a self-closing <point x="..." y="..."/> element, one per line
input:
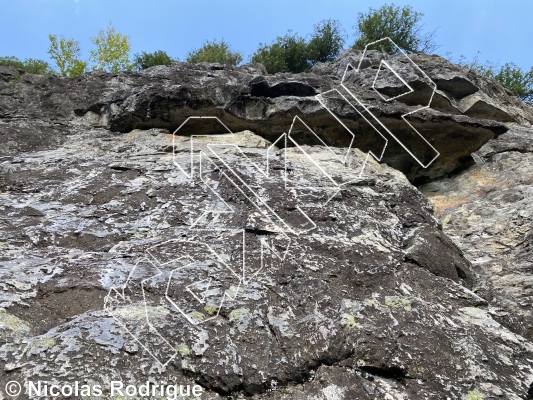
<point x="115" y="266"/>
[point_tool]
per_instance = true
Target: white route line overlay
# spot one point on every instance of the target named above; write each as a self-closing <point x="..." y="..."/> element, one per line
<point x="116" y="295"/>
<point x="430" y="82"/>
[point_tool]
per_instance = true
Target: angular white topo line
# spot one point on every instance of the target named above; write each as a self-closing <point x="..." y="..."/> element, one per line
<point x="190" y="174"/>
<point x="115" y="294"/>
<point x="320" y="98"/>
<point x="336" y="186"/>
<point x="207" y="164"/>
<point x="387" y="65"/>
<point x="430" y="82"/>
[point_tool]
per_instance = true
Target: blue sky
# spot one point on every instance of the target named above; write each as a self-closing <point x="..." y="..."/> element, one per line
<point x="498" y="29"/>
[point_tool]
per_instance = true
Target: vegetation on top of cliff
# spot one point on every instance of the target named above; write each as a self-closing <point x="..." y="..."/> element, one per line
<point x="66" y="54"/>
<point x="293" y="53"/>
<point x="112" y="52"/>
<point x="509" y="75"/>
<point x="146" y="60"/>
<point x="402" y="25"/>
<point x="288" y="53"/>
<point x="327" y="41"/>
<point x="30" y="65"/>
<point x="215" y="52"/>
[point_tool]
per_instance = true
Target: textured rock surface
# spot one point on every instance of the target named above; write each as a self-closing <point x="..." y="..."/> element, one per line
<point x="355" y="309"/>
<point x="488" y="211"/>
<point x="101" y="232"/>
<point x="246" y="98"/>
<point x="459" y="90"/>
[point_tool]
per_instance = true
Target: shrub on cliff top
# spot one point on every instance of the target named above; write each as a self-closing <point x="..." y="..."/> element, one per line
<point x="66" y="54"/>
<point x="215" y="52"/>
<point x="112" y="53"/>
<point x="292" y="53"/>
<point x="326" y="41"/>
<point x="520" y="83"/>
<point x="510" y="76"/>
<point x="287" y="53"/>
<point x="401" y="25"/>
<point x="146" y="60"/>
<point x="30" y="65"/>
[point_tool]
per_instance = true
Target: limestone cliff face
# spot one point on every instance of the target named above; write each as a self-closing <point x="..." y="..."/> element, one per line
<point x="487" y="211"/>
<point x="270" y="257"/>
<point x="466" y="110"/>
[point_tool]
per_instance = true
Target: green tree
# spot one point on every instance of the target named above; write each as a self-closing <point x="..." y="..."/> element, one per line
<point x="37" y="67"/>
<point x="112" y="53"/>
<point x="520" y="83"/>
<point x="326" y="41"/>
<point x="401" y="25"/>
<point x="487" y="69"/>
<point x="510" y="76"/>
<point x="30" y="65"/>
<point x="146" y="60"/>
<point x="287" y="53"/>
<point x="66" y="54"/>
<point x="295" y="49"/>
<point x="214" y="52"/>
<point x="272" y="56"/>
<point x="11" y="62"/>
